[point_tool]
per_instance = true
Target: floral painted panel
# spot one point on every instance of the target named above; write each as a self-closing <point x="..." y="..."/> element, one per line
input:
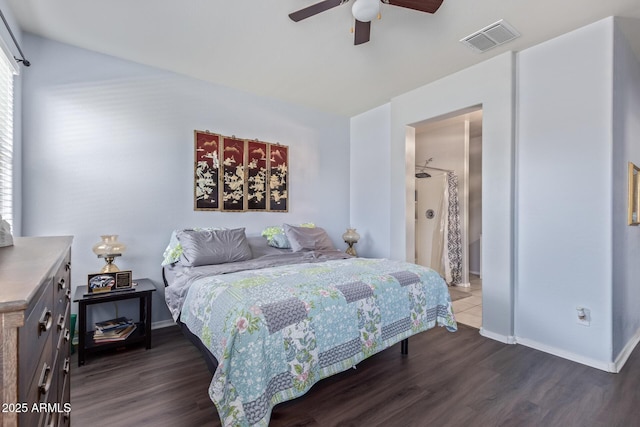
<point x="207" y="171"/>
<point x="234" y="174"/>
<point x="233" y="165"/>
<point x="278" y="178"/>
<point x="256" y="176"/>
<point x="277" y="331"/>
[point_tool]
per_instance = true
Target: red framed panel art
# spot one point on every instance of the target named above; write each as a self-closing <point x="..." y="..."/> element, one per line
<point x="207" y="171"/>
<point x="256" y="175"/>
<point x="233" y="179"/>
<point x="237" y="175"/>
<point x="278" y="178"/>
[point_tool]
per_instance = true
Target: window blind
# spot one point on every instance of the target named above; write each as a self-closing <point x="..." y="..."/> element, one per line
<point x="7" y="72"/>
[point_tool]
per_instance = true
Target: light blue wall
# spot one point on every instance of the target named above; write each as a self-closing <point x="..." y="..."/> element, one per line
<point x="108" y="149"/>
<point x="370" y="181"/>
<point x="626" y="148"/>
<point x="564" y="193"/>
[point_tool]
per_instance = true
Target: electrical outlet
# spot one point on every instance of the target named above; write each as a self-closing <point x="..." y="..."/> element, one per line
<point x="584" y="316"/>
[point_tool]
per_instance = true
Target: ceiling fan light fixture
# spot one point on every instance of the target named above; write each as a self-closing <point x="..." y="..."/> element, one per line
<point x="365" y="10"/>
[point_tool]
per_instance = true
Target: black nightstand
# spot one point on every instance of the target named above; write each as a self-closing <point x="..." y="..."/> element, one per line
<point x="142" y="333"/>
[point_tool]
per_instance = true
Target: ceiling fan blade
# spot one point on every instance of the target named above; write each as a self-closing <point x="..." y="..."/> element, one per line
<point x="429" y="6"/>
<point x="362" y="32"/>
<point x="314" y="9"/>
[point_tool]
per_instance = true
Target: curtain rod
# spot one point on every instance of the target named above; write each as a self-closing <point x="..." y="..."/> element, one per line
<point x="24" y="60"/>
<point x="435" y="169"/>
<point x="430" y="167"/>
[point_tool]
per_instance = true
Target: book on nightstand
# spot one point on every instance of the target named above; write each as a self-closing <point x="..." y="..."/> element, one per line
<point x="108" y="325"/>
<point x="113" y="330"/>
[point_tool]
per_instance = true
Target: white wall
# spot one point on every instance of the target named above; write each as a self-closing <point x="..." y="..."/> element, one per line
<point x="490" y="85"/>
<point x="370" y="182"/>
<point x="108" y="149"/>
<point x="626" y="239"/>
<point x="564" y="191"/>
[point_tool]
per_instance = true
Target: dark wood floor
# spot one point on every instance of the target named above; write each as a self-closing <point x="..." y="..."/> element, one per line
<point x="448" y="379"/>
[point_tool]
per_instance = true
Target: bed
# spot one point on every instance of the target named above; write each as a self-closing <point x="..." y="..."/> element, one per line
<point x="274" y="318"/>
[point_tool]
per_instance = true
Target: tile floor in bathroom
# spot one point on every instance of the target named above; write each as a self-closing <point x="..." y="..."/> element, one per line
<point x="467" y="302"/>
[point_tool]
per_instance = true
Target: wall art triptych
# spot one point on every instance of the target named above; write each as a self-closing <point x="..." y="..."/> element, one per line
<point x="238" y="175"/>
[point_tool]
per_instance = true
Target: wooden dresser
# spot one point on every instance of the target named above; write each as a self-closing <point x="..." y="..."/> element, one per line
<point x="35" y="308"/>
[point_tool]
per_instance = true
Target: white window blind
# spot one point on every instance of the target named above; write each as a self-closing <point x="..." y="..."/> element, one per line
<point x="7" y="71"/>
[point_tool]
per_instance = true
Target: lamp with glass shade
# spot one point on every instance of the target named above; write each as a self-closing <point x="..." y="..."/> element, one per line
<point x="351" y="237"/>
<point x="109" y="248"/>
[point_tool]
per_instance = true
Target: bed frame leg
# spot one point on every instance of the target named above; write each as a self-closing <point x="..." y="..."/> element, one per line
<point x="404" y="346"/>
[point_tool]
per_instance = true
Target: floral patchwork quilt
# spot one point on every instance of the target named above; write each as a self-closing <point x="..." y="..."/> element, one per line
<point x="277" y="331"/>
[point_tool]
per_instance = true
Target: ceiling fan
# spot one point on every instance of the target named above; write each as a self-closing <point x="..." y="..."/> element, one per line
<point x="364" y="11"/>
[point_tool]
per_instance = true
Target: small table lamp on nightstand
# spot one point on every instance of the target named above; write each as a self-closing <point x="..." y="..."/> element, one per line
<point x="350" y="237"/>
<point x="109" y="248"/>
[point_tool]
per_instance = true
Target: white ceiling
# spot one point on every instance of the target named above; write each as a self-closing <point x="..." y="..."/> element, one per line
<point x="252" y="45"/>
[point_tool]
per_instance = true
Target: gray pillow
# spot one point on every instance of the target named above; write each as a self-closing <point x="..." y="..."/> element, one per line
<point x="310" y="239"/>
<point x="206" y="247"/>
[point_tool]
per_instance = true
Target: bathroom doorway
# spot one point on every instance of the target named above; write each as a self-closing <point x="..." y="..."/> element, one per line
<point x="448" y="195"/>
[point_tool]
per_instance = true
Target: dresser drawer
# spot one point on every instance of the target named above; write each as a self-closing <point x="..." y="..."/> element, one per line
<point x="64" y="390"/>
<point x="42" y="386"/>
<point x="65" y="417"/>
<point x="35" y="334"/>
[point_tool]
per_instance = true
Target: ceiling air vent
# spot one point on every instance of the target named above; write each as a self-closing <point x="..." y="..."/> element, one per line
<point x="491" y="36"/>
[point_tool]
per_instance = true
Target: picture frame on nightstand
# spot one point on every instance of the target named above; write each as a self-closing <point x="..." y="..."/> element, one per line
<point x="101" y="283"/>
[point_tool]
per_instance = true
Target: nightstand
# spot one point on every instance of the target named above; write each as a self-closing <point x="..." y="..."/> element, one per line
<point x="142" y="333"/>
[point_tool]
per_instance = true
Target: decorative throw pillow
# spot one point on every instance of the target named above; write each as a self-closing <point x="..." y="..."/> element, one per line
<point x="173" y="250"/>
<point x="280" y="241"/>
<point x="304" y="238"/>
<point x="276" y="237"/>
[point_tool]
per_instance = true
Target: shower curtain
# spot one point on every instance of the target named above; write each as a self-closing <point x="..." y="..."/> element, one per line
<point x="439" y="236"/>
<point x="432" y="206"/>
<point x="452" y="256"/>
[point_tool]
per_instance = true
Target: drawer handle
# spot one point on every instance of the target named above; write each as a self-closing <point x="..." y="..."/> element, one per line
<point x="67" y="266"/>
<point x="67" y="365"/>
<point x="46" y="320"/>
<point x="62" y="284"/>
<point x="53" y="419"/>
<point x="67" y="334"/>
<point x="45" y="380"/>
<point x="60" y="322"/>
<point x="68" y="294"/>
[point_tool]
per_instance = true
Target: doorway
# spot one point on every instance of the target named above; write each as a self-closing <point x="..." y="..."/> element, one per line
<point x="448" y="193"/>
